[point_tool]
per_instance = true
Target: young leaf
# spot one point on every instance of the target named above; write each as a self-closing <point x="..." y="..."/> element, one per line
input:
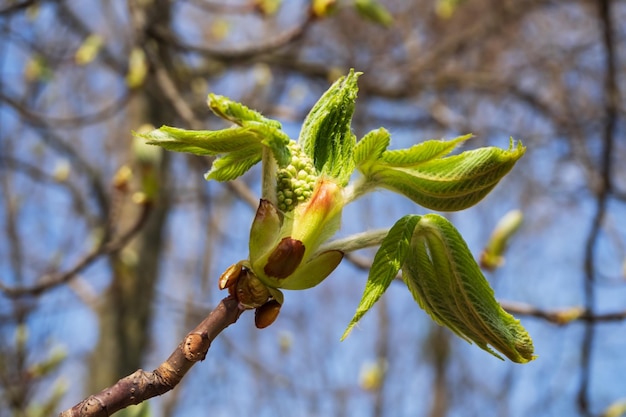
<point x="236" y="112"/>
<point x="387" y="262"/>
<point x="372" y="146"/>
<point x="422" y="152"/>
<point x="326" y="137"/>
<point x="452" y="183"/>
<point x="234" y="164"/>
<point x="275" y="139"/>
<point x="446" y="281"/>
<point x="201" y="142"/>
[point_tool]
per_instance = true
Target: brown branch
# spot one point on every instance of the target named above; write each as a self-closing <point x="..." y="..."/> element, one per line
<point x="142" y="385"/>
<point x="16" y="7"/>
<point x="227" y="55"/>
<point x="611" y="101"/>
<point x="105" y="248"/>
<point x="562" y="316"/>
<point x="38" y="119"/>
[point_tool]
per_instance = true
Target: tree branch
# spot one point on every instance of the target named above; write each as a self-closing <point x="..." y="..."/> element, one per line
<point x="611" y="93"/>
<point x="562" y="316"/>
<point x="106" y="247"/>
<point x="142" y="385"/>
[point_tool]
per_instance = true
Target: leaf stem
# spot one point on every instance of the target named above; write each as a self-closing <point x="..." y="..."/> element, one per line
<point x="356" y="241"/>
<point x="358" y="188"/>
<point x="268" y="187"/>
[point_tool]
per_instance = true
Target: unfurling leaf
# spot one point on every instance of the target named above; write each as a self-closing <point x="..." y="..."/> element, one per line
<point x="445" y="184"/>
<point x="234" y="164"/>
<point x="387" y="262"/>
<point x="444" y="279"/>
<point x="236" y="112"/>
<point x="422" y="152"/>
<point x="372" y="146"/>
<point x="268" y="131"/>
<point x="326" y="136"/>
<point x="202" y="142"/>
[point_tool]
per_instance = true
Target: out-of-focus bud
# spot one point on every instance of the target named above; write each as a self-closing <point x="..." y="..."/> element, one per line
<point x="374" y="11"/>
<point x="372" y="375"/>
<point x="88" y="50"/>
<point x="492" y="256"/>
<point x="323" y="8"/>
<point x="122" y="178"/>
<point x="567" y="316"/>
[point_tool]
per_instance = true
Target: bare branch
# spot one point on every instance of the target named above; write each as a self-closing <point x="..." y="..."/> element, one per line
<point x="562" y="316"/>
<point x="268" y="45"/>
<point x="142" y="385"/>
<point x="105" y="248"/>
<point x="16" y="7"/>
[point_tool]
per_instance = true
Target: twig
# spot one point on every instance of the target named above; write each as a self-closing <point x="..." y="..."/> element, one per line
<point x="141" y="385"/>
<point x="268" y="45"/>
<point x="562" y="316"/>
<point x="608" y="138"/>
<point x="105" y="248"/>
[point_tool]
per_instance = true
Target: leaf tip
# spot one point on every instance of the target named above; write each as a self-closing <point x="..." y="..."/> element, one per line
<point x="348" y="330"/>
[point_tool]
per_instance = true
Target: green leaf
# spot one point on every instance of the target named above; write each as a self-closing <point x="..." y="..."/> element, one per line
<point x="234" y="164"/>
<point x="275" y="139"/>
<point x="372" y="146"/>
<point x="387" y="262"/>
<point x="446" y="281"/>
<point x="422" y="152"/>
<point x="201" y="142"/>
<point x="237" y="112"/>
<point x="326" y="137"/>
<point x="452" y="183"/>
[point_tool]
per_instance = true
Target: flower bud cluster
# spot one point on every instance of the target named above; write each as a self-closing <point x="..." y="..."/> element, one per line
<point x="296" y="181"/>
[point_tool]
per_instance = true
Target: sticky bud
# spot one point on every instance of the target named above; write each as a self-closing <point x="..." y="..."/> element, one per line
<point x="266" y="314"/>
<point x="251" y="292"/>
<point x="285" y="258"/>
<point x="230" y="276"/>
